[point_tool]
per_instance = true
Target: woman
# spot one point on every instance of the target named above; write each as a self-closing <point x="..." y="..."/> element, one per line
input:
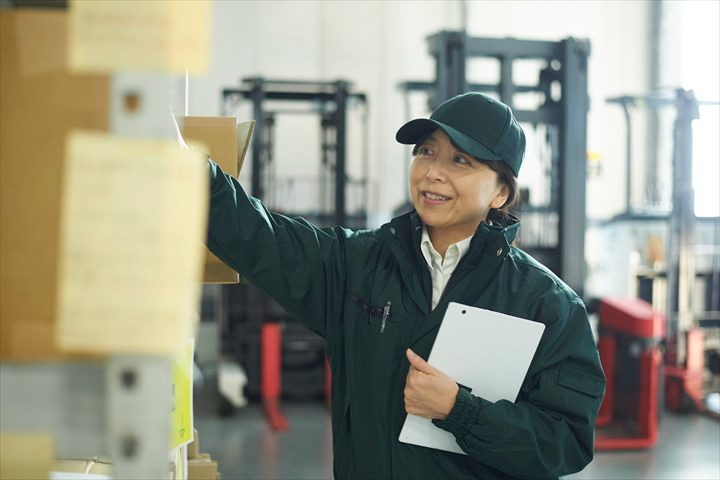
<point x="379" y="296"/>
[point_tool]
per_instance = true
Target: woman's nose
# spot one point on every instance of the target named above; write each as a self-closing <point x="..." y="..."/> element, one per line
<point x="436" y="171"/>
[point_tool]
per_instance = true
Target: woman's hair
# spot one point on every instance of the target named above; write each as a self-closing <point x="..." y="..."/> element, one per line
<point x="505" y="176"/>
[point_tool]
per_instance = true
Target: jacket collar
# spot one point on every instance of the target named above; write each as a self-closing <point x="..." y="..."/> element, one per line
<point x="490" y="245"/>
<point x="497" y="232"/>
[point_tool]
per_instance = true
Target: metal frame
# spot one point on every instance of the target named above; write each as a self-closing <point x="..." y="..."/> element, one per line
<point x="686" y="348"/>
<point x="680" y="255"/>
<point x="334" y="95"/>
<point x="681" y="219"/>
<point x="567" y="62"/>
<point x="66" y="400"/>
<point x="119" y="408"/>
<point x="138" y="387"/>
<point x="683" y="101"/>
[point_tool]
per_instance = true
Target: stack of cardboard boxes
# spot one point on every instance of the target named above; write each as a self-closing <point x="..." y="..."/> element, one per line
<point x="41" y="103"/>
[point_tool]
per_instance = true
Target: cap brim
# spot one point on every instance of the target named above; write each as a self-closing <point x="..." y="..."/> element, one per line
<point x="419" y="129"/>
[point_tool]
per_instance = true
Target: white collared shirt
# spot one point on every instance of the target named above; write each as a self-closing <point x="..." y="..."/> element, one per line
<point x="440" y="269"/>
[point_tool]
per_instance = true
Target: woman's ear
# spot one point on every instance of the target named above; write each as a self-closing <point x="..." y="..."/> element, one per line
<point x="501" y="197"/>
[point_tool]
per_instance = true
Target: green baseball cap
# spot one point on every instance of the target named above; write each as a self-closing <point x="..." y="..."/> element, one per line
<point x="476" y="124"/>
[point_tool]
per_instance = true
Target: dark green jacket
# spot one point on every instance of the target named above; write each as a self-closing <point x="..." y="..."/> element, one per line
<point x="337" y="283"/>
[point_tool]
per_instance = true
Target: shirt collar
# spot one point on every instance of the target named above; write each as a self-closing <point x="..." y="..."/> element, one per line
<point x="454" y="252"/>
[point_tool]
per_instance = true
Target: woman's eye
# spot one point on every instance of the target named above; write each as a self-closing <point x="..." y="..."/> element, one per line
<point x="461" y="160"/>
<point x="424" y="151"/>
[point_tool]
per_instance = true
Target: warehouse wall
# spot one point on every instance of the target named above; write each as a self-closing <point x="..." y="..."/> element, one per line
<point x="380" y="44"/>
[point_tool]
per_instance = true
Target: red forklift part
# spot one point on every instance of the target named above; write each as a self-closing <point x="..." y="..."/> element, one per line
<point x="632" y="316"/>
<point x="684" y="385"/>
<point x="271" y="364"/>
<point x="628" y="420"/>
<point x="647" y="410"/>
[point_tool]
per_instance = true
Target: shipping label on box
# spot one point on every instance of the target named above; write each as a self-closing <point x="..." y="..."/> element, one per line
<point x="133" y="219"/>
<point x="140" y="36"/>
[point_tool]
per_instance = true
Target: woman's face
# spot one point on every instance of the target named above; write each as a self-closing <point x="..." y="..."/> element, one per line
<point x="451" y="191"/>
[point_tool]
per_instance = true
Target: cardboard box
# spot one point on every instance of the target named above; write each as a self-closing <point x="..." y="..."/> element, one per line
<point x="40" y="103"/>
<point x="193" y="448"/>
<point x="26" y="456"/>
<point x="227" y="143"/>
<point x="203" y="468"/>
<point x="200" y="465"/>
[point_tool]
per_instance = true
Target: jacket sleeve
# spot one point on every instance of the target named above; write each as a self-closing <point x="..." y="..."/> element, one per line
<point x="549" y="431"/>
<point x="300" y="266"/>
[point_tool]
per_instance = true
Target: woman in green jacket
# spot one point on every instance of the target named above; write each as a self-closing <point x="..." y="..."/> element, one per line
<point x="378" y="298"/>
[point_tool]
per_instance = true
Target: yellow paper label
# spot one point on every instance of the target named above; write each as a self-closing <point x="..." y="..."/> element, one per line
<point x="181" y="422"/>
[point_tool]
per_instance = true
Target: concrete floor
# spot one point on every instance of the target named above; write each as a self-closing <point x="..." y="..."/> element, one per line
<point x="246" y="448"/>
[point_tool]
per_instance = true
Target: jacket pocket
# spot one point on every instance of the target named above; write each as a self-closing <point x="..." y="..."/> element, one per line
<point x="580" y="381"/>
<point x="373" y="311"/>
<point x="381" y="315"/>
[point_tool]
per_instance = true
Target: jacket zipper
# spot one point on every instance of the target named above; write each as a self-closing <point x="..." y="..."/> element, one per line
<point x="442" y="294"/>
<point x="429" y="271"/>
<point x="447" y="284"/>
<point x="432" y="284"/>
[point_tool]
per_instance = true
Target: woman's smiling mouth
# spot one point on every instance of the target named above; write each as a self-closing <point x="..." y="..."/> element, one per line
<point x="434" y="197"/>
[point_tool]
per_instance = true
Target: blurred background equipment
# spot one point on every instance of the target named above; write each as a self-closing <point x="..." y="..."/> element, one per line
<point x="339" y="198"/>
<point x="683" y="281"/>
<point x="630" y="345"/>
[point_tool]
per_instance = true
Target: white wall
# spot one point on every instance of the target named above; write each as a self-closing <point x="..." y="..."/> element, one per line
<point x="378" y="44"/>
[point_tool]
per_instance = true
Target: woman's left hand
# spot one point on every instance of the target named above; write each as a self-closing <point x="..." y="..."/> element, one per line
<point x="429" y="392"/>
